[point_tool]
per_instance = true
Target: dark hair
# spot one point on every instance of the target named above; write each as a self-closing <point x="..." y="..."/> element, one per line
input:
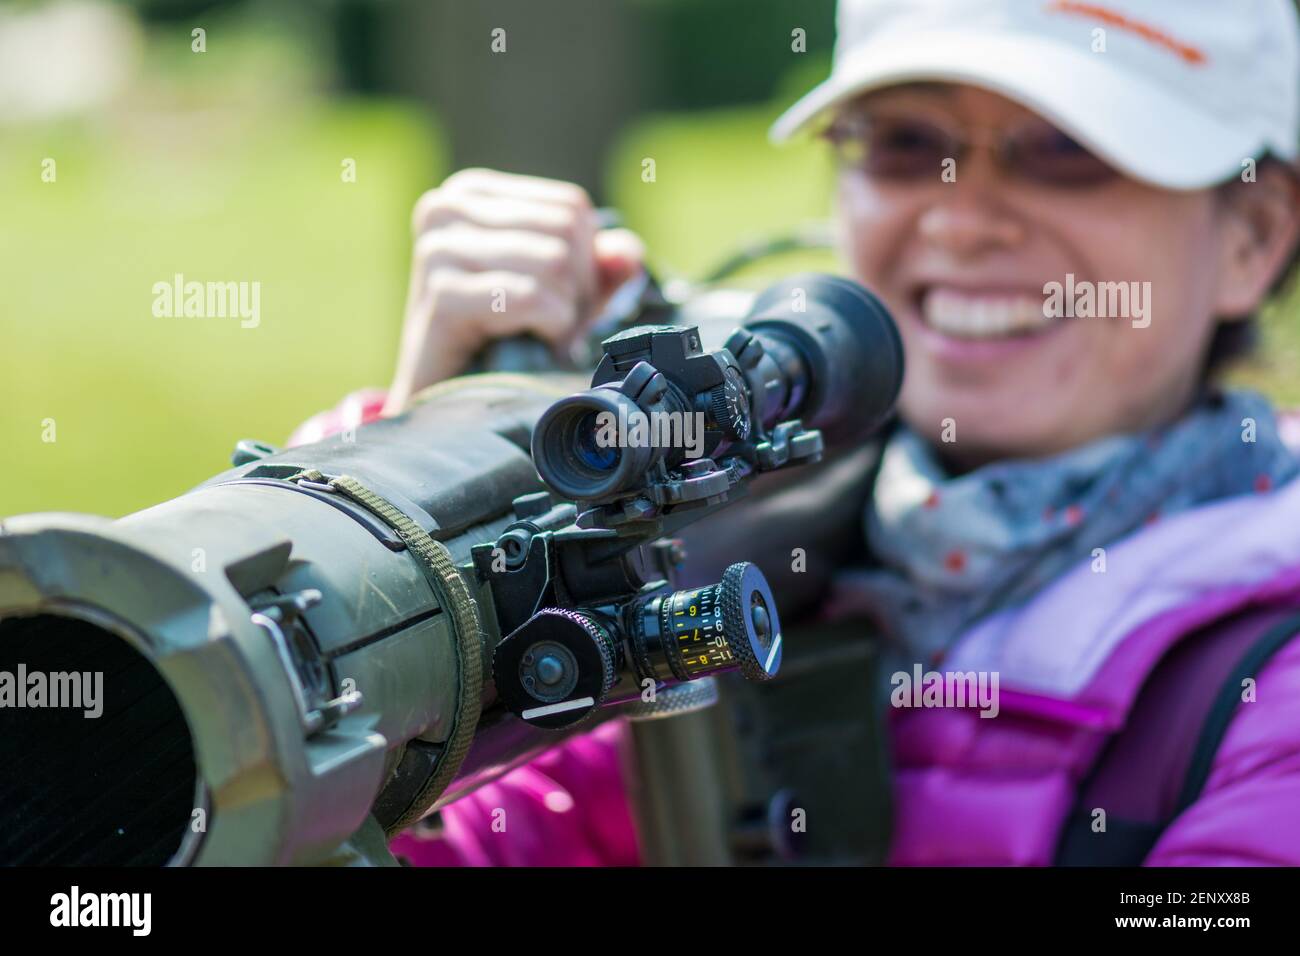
<point x="1239" y="339"/>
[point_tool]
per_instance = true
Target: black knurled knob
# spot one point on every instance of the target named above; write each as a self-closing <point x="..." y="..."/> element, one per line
<point x="750" y="619"/>
<point x="555" y="668"/>
<point x="729" y="406"/>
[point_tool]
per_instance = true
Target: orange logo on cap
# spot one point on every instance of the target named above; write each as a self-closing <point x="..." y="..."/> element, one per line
<point x="1189" y="54"/>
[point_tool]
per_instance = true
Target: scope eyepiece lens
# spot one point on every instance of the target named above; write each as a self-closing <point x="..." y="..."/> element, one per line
<point x="574" y="453"/>
<point x="587" y="445"/>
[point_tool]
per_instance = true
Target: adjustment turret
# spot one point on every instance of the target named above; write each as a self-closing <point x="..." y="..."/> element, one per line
<point x="555" y="668"/>
<point x="728" y="406"/>
<point x="726" y="626"/>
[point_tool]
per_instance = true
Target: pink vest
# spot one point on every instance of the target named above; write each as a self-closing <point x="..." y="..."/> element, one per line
<point x="996" y="791"/>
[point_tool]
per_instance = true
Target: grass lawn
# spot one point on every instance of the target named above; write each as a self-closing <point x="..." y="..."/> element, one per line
<point x="144" y="407"/>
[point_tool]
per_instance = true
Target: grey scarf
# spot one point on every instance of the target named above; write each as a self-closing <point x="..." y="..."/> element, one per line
<point x="953" y="549"/>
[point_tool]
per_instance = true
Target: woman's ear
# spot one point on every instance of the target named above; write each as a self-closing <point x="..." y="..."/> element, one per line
<point x="1260" y="228"/>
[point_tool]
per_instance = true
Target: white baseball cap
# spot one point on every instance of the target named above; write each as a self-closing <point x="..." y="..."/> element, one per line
<point x="1178" y="93"/>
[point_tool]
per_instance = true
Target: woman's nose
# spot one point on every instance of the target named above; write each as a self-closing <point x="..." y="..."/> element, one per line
<point x="970" y="218"/>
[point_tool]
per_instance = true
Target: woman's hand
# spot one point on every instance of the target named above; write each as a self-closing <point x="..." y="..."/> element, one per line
<point x="498" y="255"/>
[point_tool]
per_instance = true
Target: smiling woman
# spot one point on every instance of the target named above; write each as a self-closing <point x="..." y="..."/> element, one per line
<point x="1070" y="551"/>
<point x="1071" y="209"/>
<point x="947" y="253"/>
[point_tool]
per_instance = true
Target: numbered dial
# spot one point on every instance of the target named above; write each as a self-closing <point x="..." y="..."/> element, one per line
<point x="722" y="627"/>
<point x="729" y="406"/>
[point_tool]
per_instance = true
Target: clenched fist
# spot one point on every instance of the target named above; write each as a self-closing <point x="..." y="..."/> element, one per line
<point x="498" y="255"/>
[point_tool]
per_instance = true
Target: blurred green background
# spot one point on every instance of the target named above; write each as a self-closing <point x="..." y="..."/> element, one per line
<point x="227" y="165"/>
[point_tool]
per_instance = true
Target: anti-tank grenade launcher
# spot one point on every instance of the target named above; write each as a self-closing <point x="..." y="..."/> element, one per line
<point x="324" y="644"/>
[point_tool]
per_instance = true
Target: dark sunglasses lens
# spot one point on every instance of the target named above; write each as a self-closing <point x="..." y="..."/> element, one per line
<point x="892" y="149"/>
<point x="1047" y="155"/>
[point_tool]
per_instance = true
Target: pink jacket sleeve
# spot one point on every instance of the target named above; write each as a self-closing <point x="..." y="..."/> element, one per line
<point x="1247" y="814"/>
<point x="567" y="807"/>
<point x="358" y="408"/>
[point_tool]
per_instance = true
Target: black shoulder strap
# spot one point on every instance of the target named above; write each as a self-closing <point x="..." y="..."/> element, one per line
<point x="1155" y="768"/>
<point x="1225" y="707"/>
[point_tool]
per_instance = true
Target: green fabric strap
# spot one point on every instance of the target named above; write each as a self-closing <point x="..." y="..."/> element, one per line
<point x="449" y="587"/>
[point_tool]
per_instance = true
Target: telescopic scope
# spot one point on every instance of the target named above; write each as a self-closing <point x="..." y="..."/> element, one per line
<point x="815" y="349"/>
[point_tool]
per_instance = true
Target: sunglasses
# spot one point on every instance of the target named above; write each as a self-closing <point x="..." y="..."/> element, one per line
<point x="911" y="149"/>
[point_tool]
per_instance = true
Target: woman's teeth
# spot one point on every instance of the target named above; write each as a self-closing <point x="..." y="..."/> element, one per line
<point x="983" y="315"/>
